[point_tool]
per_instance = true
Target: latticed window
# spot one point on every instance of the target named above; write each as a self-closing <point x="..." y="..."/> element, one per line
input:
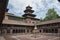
<point x="33" y="22"/>
<point x="8" y="25"/>
<point x="50" y="30"/>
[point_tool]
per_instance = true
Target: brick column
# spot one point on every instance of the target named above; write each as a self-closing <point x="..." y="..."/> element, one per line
<point x="25" y="30"/>
<point x="0" y="28"/>
<point x="29" y="31"/>
<point x="3" y="6"/>
<point x="5" y="32"/>
<point x="41" y="30"/>
<point x="58" y="31"/>
<point x="11" y="31"/>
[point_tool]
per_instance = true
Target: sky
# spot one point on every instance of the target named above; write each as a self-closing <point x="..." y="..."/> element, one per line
<point x="40" y="7"/>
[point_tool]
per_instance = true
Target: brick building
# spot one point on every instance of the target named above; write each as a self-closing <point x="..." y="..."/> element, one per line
<point x="26" y="23"/>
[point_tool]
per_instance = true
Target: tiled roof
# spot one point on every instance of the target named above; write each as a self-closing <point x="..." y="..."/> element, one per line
<point x="10" y="14"/>
<point x="29" y="24"/>
<point x="49" y="22"/>
<point x="16" y="22"/>
<point x="6" y="21"/>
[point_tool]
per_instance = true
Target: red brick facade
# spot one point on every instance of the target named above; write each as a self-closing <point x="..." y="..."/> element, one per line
<point x="3" y="5"/>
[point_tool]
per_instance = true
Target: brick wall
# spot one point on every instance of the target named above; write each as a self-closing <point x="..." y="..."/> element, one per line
<point x="3" y="5"/>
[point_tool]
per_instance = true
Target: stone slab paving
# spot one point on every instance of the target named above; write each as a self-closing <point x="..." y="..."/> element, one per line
<point x="2" y="38"/>
<point x="30" y="37"/>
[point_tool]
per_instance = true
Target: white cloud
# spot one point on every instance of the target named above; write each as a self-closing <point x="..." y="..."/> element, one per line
<point x="40" y="6"/>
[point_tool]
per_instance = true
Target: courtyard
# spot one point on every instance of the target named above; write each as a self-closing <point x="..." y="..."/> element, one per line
<point x="16" y="26"/>
<point x="28" y="37"/>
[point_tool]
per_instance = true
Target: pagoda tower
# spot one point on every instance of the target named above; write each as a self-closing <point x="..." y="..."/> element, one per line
<point x="28" y="14"/>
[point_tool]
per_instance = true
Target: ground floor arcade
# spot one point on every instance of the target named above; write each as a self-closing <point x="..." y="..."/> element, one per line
<point x="25" y="30"/>
<point x="11" y="29"/>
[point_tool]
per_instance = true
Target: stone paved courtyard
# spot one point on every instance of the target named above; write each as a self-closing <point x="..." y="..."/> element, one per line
<point x="29" y="37"/>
